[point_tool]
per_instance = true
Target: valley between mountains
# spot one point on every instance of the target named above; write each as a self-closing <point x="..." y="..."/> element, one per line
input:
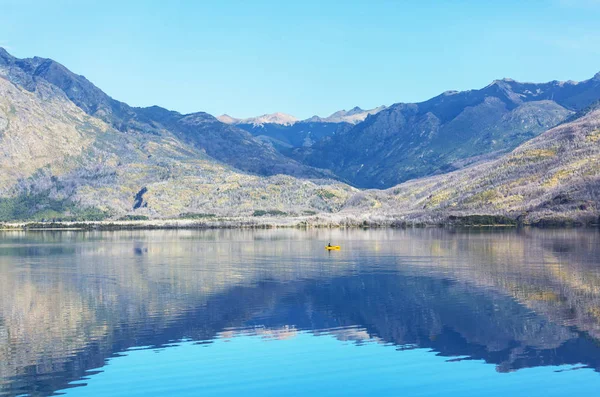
<point x="509" y="153"/>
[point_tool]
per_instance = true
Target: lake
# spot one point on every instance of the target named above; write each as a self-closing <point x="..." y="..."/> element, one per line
<point x="427" y="312"/>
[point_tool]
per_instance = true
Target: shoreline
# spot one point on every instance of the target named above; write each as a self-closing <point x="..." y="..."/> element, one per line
<point x="313" y="222"/>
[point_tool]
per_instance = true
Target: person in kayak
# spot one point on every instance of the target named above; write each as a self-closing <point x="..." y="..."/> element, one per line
<point x="329" y="245"/>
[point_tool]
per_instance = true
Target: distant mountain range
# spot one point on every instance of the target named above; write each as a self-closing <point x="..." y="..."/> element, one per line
<point x="69" y="151"/>
<point x="285" y="133"/>
<point x="287" y="138"/>
<point x="275" y="118"/>
<point x="352" y="116"/>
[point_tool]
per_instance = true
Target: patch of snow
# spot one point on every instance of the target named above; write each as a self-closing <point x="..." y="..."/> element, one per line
<point x="274" y="118"/>
<point x="352" y="116"/>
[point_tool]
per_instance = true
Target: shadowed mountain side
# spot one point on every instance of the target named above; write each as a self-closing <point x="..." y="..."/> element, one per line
<point x="408" y="141"/>
<point x="301" y="134"/>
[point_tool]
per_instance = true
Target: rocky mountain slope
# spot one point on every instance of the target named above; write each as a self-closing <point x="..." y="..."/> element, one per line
<point x="59" y="162"/>
<point x="553" y="178"/>
<point x="202" y="131"/>
<point x="408" y="141"/>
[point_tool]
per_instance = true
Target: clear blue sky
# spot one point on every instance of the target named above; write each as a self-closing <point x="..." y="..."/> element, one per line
<point x="304" y="57"/>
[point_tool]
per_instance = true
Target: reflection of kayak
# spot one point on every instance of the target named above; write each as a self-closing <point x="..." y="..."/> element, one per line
<point x="333" y="248"/>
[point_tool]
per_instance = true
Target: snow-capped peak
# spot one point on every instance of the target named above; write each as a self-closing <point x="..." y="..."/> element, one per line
<point x="353" y="116"/>
<point x="227" y="119"/>
<point x="274" y="118"/>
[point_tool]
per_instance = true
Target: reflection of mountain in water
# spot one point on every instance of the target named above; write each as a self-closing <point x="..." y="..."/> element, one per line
<point x="515" y="299"/>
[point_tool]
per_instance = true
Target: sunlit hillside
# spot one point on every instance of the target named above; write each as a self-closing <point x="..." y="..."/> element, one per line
<point x="554" y="177"/>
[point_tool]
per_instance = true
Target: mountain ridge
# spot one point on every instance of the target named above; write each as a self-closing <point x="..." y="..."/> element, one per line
<point x="352" y="116"/>
<point x="407" y="141"/>
<point x="273" y="118"/>
<point x="285" y="136"/>
<point x="225" y="143"/>
<point x="61" y="162"/>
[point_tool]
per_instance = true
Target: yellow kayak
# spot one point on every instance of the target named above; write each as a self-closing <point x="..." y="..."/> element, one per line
<point x="333" y="247"/>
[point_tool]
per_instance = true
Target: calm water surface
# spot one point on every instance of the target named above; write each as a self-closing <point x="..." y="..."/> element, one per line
<point x="396" y="312"/>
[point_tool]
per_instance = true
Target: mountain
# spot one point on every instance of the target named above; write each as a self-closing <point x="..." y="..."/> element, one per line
<point x="551" y="179"/>
<point x="275" y="118"/>
<point x="68" y="151"/>
<point x="352" y="116"/>
<point x="223" y="142"/>
<point x="286" y="138"/>
<point x="227" y="119"/>
<point x="286" y="133"/>
<point x="448" y="132"/>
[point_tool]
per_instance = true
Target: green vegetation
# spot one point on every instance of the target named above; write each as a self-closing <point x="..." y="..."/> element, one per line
<point x="193" y="215"/>
<point x="42" y="208"/>
<point x="134" y="218"/>
<point x="482" y="220"/>
<point x="487" y="196"/>
<point x="326" y="194"/>
<point x="564" y="221"/>
<point x="269" y="212"/>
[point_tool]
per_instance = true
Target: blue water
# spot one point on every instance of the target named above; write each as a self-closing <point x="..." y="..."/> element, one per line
<point x="219" y="313"/>
<point x="319" y="365"/>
